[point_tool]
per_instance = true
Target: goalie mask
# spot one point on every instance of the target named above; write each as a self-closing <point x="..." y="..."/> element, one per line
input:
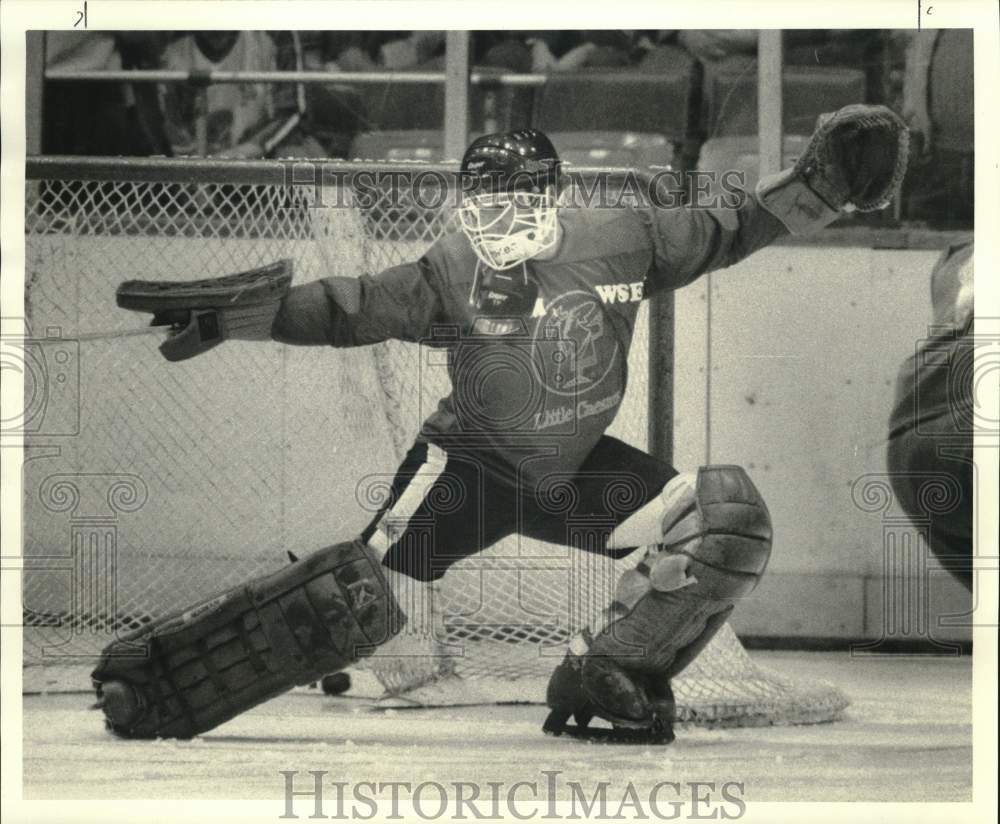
<point x="509" y="210"/>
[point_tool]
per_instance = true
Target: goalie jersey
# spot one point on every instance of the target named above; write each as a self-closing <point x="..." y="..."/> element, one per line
<point x="532" y="394"/>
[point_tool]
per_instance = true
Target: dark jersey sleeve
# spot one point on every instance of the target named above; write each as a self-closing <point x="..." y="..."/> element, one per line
<point x="689" y="242"/>
<point x="399" y="303"/>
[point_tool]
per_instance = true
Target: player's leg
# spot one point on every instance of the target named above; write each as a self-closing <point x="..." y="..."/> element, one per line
<point x="443" y="507"/>
<point x="191" y="671"/>
<point x="617" y="490"/>
<point x="710" y="541"/>
<point x="616" y="483"/>
<point x="199" y="667"/>
<point x="931" y="471"/>
<point x="929" y="449"/>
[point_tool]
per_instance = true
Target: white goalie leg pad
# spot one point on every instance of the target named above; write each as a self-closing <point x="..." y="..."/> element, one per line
<point x="658" y="571"/>
<point x="716" y="516"/>
<point x="646" y="527"/>
<point x="710" y="553"/>
<point x="649" y="524"/>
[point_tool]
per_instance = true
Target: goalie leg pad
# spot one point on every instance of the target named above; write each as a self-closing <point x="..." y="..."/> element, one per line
<point x="203" y="313"/>
<point x="711" y="556"/>
<point x="189" y="672"/>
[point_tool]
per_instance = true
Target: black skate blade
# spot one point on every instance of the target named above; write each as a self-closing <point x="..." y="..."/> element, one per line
<point x="555" y="723"/>
<point x="658" y="734"/>
<point x="617" y="735"/>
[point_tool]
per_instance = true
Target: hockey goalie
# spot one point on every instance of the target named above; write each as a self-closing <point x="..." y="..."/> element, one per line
<point x="535" y="305"/>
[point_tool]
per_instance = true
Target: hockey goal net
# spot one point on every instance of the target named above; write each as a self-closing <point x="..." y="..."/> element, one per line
<point x="150" y="485"/>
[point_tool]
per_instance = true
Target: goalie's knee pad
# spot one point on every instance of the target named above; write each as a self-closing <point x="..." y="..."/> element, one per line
<point x="191" y="671"/>
<point x="669" y="607"/>
<point x="714" y="519"/>
<point x="725" y="535"/>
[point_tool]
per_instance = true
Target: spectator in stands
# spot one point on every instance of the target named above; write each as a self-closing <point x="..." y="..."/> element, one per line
<point x="377" y="50"/>
<point x="566" y="51"/>
<point x="141" y="50"/>
<point x="243" y="120"/>
<point x="331" y="114"/>
<point x="334" y="112"/>
<point x="418" y="50"/>
<point x="938" y="106"/>
<point x="506" y="50"/>
<point x="96" y="118"/>
<point x="932" y="421"/>
<point x="659" y="51"/>
<point x="555" y="51"/>
<point x="822" y="47"/>
<point x="338" y="51"/>
<point x="710" y="45"/>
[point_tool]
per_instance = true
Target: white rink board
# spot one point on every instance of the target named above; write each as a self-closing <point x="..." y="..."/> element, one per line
<point x="790" y="371"/>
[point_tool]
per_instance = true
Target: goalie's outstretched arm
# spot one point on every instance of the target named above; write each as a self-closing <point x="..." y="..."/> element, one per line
<point x="689" y="242"/>
<point x="399" y="303"/>
<point x="855" y="160"/>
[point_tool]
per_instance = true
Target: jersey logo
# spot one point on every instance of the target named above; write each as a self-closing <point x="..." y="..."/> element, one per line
<point x="577" y="348"/>
<point x="581" y="326"/>
<point x="620" y="292"/>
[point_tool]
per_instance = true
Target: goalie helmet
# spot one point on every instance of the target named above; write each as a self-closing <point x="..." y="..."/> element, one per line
<point x="509" y="209"/>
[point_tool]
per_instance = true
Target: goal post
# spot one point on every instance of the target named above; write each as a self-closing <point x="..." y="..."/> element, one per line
<point x="150" y="485"/>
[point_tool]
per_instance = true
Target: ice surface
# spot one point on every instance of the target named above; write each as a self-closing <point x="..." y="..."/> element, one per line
<point x="906" y="737"/>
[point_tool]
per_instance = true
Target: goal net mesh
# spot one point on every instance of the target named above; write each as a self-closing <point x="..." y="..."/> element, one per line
<point x="149" y="485"/>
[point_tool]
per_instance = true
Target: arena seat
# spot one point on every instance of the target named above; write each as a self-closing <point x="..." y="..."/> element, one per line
<point x="397" y="106"/>
<point x="335" y="114"/>
<point x="492" y="107"/>
<point x="730" y="96"/>
<point x="742" y="153"/>
<point x="621" y="100"/>
<point x="399" y="144"/>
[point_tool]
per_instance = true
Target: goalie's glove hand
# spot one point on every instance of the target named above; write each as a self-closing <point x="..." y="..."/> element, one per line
<point x="203" y="313"/>
<point x="855" y="160"/>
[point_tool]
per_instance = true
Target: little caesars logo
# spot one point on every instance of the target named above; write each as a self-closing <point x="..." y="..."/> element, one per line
<point x="584" y="409"/>
<point x="578" y="352"/>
